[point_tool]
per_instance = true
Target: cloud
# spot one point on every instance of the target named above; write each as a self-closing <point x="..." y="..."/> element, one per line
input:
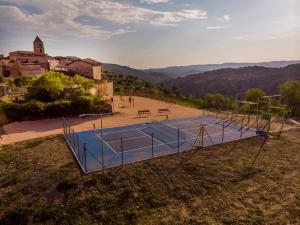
<point x="227" y="17"/>
<point x="125" y="14"/>
<point x="154" y="1"/>
<point x="216" y="27"/>
<point x="50" y="19"/>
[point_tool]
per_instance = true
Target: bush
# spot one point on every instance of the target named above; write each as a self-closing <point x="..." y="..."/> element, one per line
<point x="36" y="110"/>
<point x="57" y="109"/>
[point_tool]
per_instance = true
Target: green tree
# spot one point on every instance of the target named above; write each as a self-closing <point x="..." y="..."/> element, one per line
<point x="47" y="88"/>
<point x="290" y="92"/>
<point x="214" y="100"/>
<point x="253" y="94"/>
<point x="85" y="83"/>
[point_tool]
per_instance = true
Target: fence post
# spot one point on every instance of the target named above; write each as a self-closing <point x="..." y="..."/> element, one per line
<point x="73" y="138"/>
<point x="241" y="132"/>
<point x="178" y="139"/>
<point x="122" y="152"/>
<point x="152" y="144"/>
<point x="78" y="145"/>
<point x="64" y="127"/>
<point x="202" y="136"/>
<point x="69" y="132"/>
<point x="84" y="152"/>
<point x="223" y="130"/>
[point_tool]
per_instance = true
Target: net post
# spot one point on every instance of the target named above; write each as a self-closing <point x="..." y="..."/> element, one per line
<point x="122" y="151"/>
<point x="152" y="145"/>
<point x="223" y="131"/>
<point x="178" y="139"/>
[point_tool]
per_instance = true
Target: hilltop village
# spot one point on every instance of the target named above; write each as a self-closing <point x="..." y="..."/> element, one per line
<point x="38" y="62"/>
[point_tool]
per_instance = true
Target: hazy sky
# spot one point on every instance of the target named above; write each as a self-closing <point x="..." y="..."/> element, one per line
<point x="155" y="33"/>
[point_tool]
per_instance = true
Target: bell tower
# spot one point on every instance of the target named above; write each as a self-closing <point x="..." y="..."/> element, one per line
<point x="38" y="46"/>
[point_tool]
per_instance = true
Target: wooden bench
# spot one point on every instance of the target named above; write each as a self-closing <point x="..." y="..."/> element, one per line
<point x="163" y="111"/>
<point x="144" y="112"/>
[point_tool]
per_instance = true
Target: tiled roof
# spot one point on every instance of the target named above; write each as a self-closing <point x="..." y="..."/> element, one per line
<point x="89" y="61"/>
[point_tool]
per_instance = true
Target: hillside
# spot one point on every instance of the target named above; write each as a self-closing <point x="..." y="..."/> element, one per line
<point x="155" y="77"/>
<point x="235" y="81"/>
<point x="40" y="183"/>
<point x="180" y="71"/>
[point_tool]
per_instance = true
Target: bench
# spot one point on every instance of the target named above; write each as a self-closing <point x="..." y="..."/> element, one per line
<point x="144" y="112"/>
<point x="163" y="111"/>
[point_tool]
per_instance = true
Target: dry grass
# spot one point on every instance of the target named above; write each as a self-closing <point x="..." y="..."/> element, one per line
<point x="41" y="184"/>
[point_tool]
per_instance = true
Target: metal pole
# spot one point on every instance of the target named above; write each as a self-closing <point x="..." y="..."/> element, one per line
<point x="73" y="138"/>
<point x="223" y="130"/>
<point x="178" y="139"/>
<point x="84" y="151"/>
<point x="122" y="152"/>
<point x="78" y="146"/>
<point x="202" y="135"/>
<point x="102" y="150"/>
<point x="152" y="144"/>
<point x="241" y="132"/>
<point x="69" y="131"/>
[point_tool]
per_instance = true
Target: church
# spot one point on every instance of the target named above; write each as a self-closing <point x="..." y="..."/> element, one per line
<point x="20" y="63"/>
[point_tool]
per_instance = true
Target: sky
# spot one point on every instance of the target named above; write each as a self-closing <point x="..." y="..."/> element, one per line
<point x="155" y="33"/>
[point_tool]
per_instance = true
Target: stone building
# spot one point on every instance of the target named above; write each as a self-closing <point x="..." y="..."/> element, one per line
<point x="86" y="67"/>
<point x="37" y="62"/>
<point x="28" y="62"/>
<point x="93" y="70"/>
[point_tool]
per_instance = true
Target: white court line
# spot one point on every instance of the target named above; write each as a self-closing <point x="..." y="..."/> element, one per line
<point x="161" y="143"/>
<point x="125" y="139"/>
<point x="136" y="149"/>
<point x="99" y="136"/>
<point x="120" y="131"/>
<point x="182" y="130"/>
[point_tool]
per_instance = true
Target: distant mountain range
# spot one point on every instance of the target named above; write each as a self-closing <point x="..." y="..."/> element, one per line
<point x="181" y="71"/>
<point x="155" y="77"/>
<point x="235" y="82"/>
<point x="160" y="74"/>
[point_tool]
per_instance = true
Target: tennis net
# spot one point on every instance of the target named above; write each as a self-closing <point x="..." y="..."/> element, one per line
<point x="165" y="133"/>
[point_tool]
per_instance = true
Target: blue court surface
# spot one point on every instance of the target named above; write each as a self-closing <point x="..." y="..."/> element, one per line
<point x="110" y="147"/>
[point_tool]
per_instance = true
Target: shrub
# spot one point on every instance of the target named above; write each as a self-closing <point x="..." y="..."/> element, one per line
<point x="36" y="110"/>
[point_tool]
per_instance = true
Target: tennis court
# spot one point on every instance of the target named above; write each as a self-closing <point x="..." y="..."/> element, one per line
<point x="105" y="148"/>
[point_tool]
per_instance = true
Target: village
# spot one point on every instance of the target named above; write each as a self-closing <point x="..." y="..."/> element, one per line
<point x="37" y="62"/>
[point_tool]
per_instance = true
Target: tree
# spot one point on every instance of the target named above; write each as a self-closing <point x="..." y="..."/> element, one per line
<point x="290" y="92"/>
<point x="47" y="88"/>
<point x="214" y="100"/>
<point x="87" y="84"/>
<point x="253" y="94"/>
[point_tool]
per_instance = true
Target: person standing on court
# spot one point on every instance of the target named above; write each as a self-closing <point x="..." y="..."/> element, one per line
<point x="130" y="100"/>
<point x="112" y="102"/>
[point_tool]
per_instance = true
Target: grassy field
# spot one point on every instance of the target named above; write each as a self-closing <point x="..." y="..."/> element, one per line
<point x="40" y="183"/>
